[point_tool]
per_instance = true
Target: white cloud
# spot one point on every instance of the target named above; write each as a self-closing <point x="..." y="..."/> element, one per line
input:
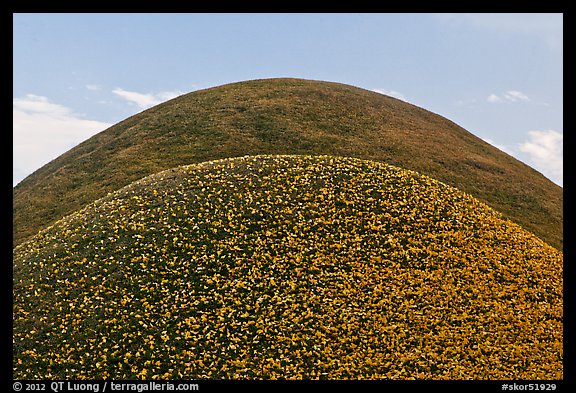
<point x="391" y="93"/>
<point x="145" y="100"/>
<point x="93" y="87"/>
<point x="545" y="149"/>
<point x="514" y="95"/>
<point x="44" y="130"/>
<point x="510" y="96"/>
<point x="493" y="98"/>
<point x="37" y="104"/>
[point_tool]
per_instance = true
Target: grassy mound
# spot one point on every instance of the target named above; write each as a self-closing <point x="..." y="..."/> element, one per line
<point x="287" y="267"/>
<point x="287" y="116"/>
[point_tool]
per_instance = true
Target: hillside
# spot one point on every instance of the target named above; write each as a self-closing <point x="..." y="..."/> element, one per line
<point x="287" y="267"/>
<point x="286" y="116"/>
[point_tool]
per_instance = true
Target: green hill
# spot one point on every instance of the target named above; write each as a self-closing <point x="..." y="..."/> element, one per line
<point x="286" y="116"/>
<point x="287" y="267"/>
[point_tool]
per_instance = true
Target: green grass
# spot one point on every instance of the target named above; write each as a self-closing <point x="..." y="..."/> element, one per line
<point x="293" y="267"/>
<point x="286" y="116"/>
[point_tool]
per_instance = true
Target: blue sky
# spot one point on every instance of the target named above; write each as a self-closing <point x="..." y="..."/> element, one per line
<point x="500" y="76"/>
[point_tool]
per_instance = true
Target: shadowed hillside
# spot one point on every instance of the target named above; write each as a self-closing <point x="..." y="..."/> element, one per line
<point x="287" y="116"/>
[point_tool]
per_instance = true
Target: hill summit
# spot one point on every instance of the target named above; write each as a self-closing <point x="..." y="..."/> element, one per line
<point x="287" y="267"/>
<point x="286" y="116"/>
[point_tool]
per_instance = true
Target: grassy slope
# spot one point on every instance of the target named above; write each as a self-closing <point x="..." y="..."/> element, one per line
<point x="287" y="116"/>
<point x="292" y="267"/>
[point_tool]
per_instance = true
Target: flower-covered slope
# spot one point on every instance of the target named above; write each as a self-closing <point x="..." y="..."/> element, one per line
<point x="287" y="267"/>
